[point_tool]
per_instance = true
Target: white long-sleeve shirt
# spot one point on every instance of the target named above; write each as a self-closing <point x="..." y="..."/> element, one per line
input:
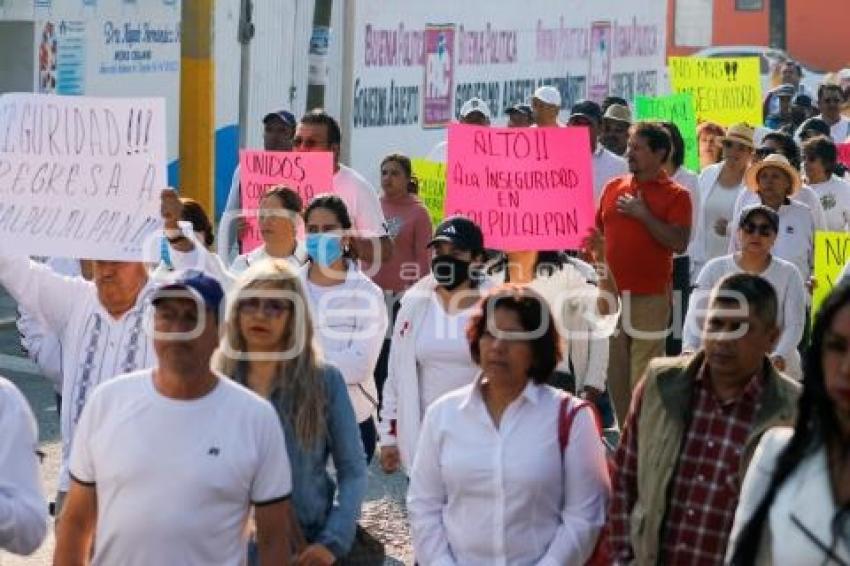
<point x="23" y="509"/>
<point x="42" y="345"/>
<point x="482" y="495"/>
<point x="790" y="292"/>
<point x="95" y="346"/>
<point x="350" y="322"/>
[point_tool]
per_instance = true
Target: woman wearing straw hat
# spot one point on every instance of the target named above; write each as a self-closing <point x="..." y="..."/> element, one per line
<point x="718" y="188"/>
<point x="775" y="182"/>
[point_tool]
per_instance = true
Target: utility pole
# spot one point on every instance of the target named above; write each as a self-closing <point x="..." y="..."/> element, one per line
<point x="245" y="34"/>
<point x="321" y="18"/>
<point x="778" y="24"/>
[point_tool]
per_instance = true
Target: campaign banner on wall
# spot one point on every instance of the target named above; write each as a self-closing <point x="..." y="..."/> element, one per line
<point x="81" y="177"/>
<point x="111" y="48"/>
<point x="502" y="56"/>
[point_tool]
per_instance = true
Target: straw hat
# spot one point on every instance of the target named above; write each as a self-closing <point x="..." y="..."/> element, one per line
<point x="742" y="133"/>
<point x="773" y="160"/>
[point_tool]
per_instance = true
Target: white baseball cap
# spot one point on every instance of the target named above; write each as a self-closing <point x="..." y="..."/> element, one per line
<point x="475" y="105"/>
<point x="548" y="95"/>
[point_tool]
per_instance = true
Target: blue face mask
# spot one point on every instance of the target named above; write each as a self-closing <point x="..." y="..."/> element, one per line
<point x="325" y="248"/>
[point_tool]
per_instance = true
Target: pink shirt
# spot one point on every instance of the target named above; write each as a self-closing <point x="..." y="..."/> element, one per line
<point x="410" y="228"/>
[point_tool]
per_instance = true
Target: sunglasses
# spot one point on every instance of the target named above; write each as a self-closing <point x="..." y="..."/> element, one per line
<point x="832" y="100"/>
<point x="271" y="308"/>
<point x="753" y="227"/>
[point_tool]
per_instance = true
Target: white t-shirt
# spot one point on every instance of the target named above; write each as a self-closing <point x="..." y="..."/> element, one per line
<point x="806" y="195"/>
<point x="362" y="201"/>
<point x="720" y="204"/>
<point x="242" y="262"/>
<point x="23" y="509"/>
<point x="176" y="479"/>
<point x="606" y="166"/>
<point x="442" y="354"/>
<point x="834" y="195"/>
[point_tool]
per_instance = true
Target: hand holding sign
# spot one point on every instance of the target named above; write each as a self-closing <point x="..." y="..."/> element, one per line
<point x="79" y="175"/>
<point x="307" y="173"/>
<point x="527" y="188"/>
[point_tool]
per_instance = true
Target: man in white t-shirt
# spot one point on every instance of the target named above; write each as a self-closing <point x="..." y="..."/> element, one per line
<point x="830" y="101"/>
<point x="168" y="462"/>
<point x="319" y="131"/>
<point x="23" y="509"/>
<point x="606" y="165"/>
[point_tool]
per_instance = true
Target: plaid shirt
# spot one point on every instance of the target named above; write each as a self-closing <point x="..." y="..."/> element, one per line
<point x="706" y="485"/>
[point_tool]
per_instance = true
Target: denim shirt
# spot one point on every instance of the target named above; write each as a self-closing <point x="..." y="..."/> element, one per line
<point x="323" y="520"/>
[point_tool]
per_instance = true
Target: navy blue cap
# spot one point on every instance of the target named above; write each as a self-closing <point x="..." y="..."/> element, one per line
<point x="461" y="232"/>
<point x="587" y="109"/>
<point x="803" y="100"/>
<point x="202" y="287"/>
<point x="284" y="116"/>
<point x="520" y="108"/>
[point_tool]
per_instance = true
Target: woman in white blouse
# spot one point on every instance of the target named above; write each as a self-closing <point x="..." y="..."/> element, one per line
<point x="428" y="353"/>
<point x="776" y="182"/>
<point x="278" y="223"/>
<point x="794" y="508"/>
<point x="718" y="187"/>
<point x="757" y="234"/>
<point x="490" y="482"/>
<point x="348" y="310"/>
<point x="820" y="159"/>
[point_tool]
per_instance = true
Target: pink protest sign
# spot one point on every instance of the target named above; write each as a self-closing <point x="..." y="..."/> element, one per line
<point x="309" y="173"/>
<point x="528" y="188"/>
<point x="844" y="153"/>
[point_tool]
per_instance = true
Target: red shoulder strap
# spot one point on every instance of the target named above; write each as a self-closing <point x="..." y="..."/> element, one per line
<point x="566" y="418"/>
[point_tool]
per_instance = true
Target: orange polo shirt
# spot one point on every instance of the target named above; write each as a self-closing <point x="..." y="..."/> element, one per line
<point x="640" y="263"/>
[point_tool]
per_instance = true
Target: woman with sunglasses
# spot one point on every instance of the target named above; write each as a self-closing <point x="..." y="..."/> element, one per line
<point x="718" y="188"/>
<point x="268" y="347"/>
<point x="794" y="507"/>
<point x="757" y="233"/>
<point x="349" y="313"/>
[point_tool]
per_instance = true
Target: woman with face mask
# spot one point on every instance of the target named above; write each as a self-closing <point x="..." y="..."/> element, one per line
<point x="429" y="355"/>
<point x="349" y="315"/>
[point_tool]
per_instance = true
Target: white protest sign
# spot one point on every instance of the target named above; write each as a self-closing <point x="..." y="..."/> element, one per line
<point x="81" y="177"/>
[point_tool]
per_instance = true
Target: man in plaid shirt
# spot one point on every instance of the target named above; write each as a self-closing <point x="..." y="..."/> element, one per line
<point x="692" y="429"/>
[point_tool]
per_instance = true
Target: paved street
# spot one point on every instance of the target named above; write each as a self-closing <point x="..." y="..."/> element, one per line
<point x="382" y="513"/>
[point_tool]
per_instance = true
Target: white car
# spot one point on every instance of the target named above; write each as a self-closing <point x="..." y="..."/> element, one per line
<point x="769" y="58"/>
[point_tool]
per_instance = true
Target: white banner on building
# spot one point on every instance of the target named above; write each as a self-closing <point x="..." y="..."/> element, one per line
<point x="406" y="52"/>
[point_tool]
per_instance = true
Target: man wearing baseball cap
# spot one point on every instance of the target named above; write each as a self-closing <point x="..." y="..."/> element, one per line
<point x="782" y="116"/>
<point x="615" y="128"/>
<point x="278" y="132"/>
<point x="168" y="462"/>
<point x="606" y="165"/>
<point x="474" y="112"/>
<point x="520" y="116"/>
<point x="546" y="105"/>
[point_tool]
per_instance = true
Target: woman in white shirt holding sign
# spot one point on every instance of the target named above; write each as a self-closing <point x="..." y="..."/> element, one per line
<point x="499" y="476"/>
<point x="349" y="314"/>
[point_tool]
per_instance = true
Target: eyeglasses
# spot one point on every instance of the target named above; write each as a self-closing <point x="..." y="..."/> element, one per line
<point x="753" y="227"/>
<point x="271" y="308"/>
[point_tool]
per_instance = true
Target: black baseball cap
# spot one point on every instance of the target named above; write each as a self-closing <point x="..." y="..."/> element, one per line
<point x="202" y="288"/>
<point x="461" y="232"/>
<point x="769" y="214"/>
<point x="285" y="116"/>
<point x="819" y="126"/>
<point x="587" y="109"/>
<point x="523" y="109"/>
